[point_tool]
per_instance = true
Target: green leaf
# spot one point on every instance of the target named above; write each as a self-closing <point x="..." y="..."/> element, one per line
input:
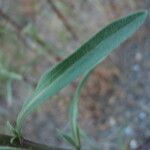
<point x="9" y="92"/>
<point x="8" y="148"/>
<point x="73" y="113"/>
<point x="69" y="139"/>
<point x="10" y="127"/>
<point x="14" y="132"/>
<point x="8" y="74"/>
<point x="84" y="59"/>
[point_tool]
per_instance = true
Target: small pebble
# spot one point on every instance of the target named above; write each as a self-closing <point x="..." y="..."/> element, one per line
<point x="128" y="131"/>
<point x="138" y="56"/>
<point x="142" y="115"/>
<point x="112" y="121"/>
<point x="136" y="68"/>
<point x="133" y="144"/>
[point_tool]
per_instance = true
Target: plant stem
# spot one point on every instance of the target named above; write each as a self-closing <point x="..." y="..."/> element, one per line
<point x="79" y="148"/>
<point x="25" y="144"/>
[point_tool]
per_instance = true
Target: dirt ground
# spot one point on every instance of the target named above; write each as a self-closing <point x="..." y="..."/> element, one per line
<point x="114" y="106"/>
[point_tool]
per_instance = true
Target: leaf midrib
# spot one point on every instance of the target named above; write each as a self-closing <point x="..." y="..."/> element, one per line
<point x="82" y="49"/>
<point x="61" y="71"/>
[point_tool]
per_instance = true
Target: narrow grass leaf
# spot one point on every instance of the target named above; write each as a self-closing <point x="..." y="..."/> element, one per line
<point x="8" y="148"/>
<point x="69" y="139"/>
<point x="73" y="109"/>
<point x="9" y="74"/>
<point x="9" y="92"/>
<point x="10" y="127"/>
<point x="84" y="59"/>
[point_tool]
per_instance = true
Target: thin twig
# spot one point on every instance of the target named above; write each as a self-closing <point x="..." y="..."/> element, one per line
<point x="12" y="22"/>
<point x="63" y="19"/>
<point x="26" y="144"/>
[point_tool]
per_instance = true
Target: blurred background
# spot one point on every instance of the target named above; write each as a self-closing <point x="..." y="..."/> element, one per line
<point x="114" y="106"/>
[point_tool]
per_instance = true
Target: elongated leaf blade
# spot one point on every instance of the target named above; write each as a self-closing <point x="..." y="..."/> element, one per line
<point x="84" y="59"/>
<point x="8" y="148"/>
<point x="73" y="110"/>
<point x="69" y="139"/>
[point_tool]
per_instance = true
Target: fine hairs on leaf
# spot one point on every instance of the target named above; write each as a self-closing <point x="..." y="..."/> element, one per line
<point x="81" y="61"/>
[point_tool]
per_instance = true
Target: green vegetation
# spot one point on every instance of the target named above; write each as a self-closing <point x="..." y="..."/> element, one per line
<point x="81" y="62"/>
